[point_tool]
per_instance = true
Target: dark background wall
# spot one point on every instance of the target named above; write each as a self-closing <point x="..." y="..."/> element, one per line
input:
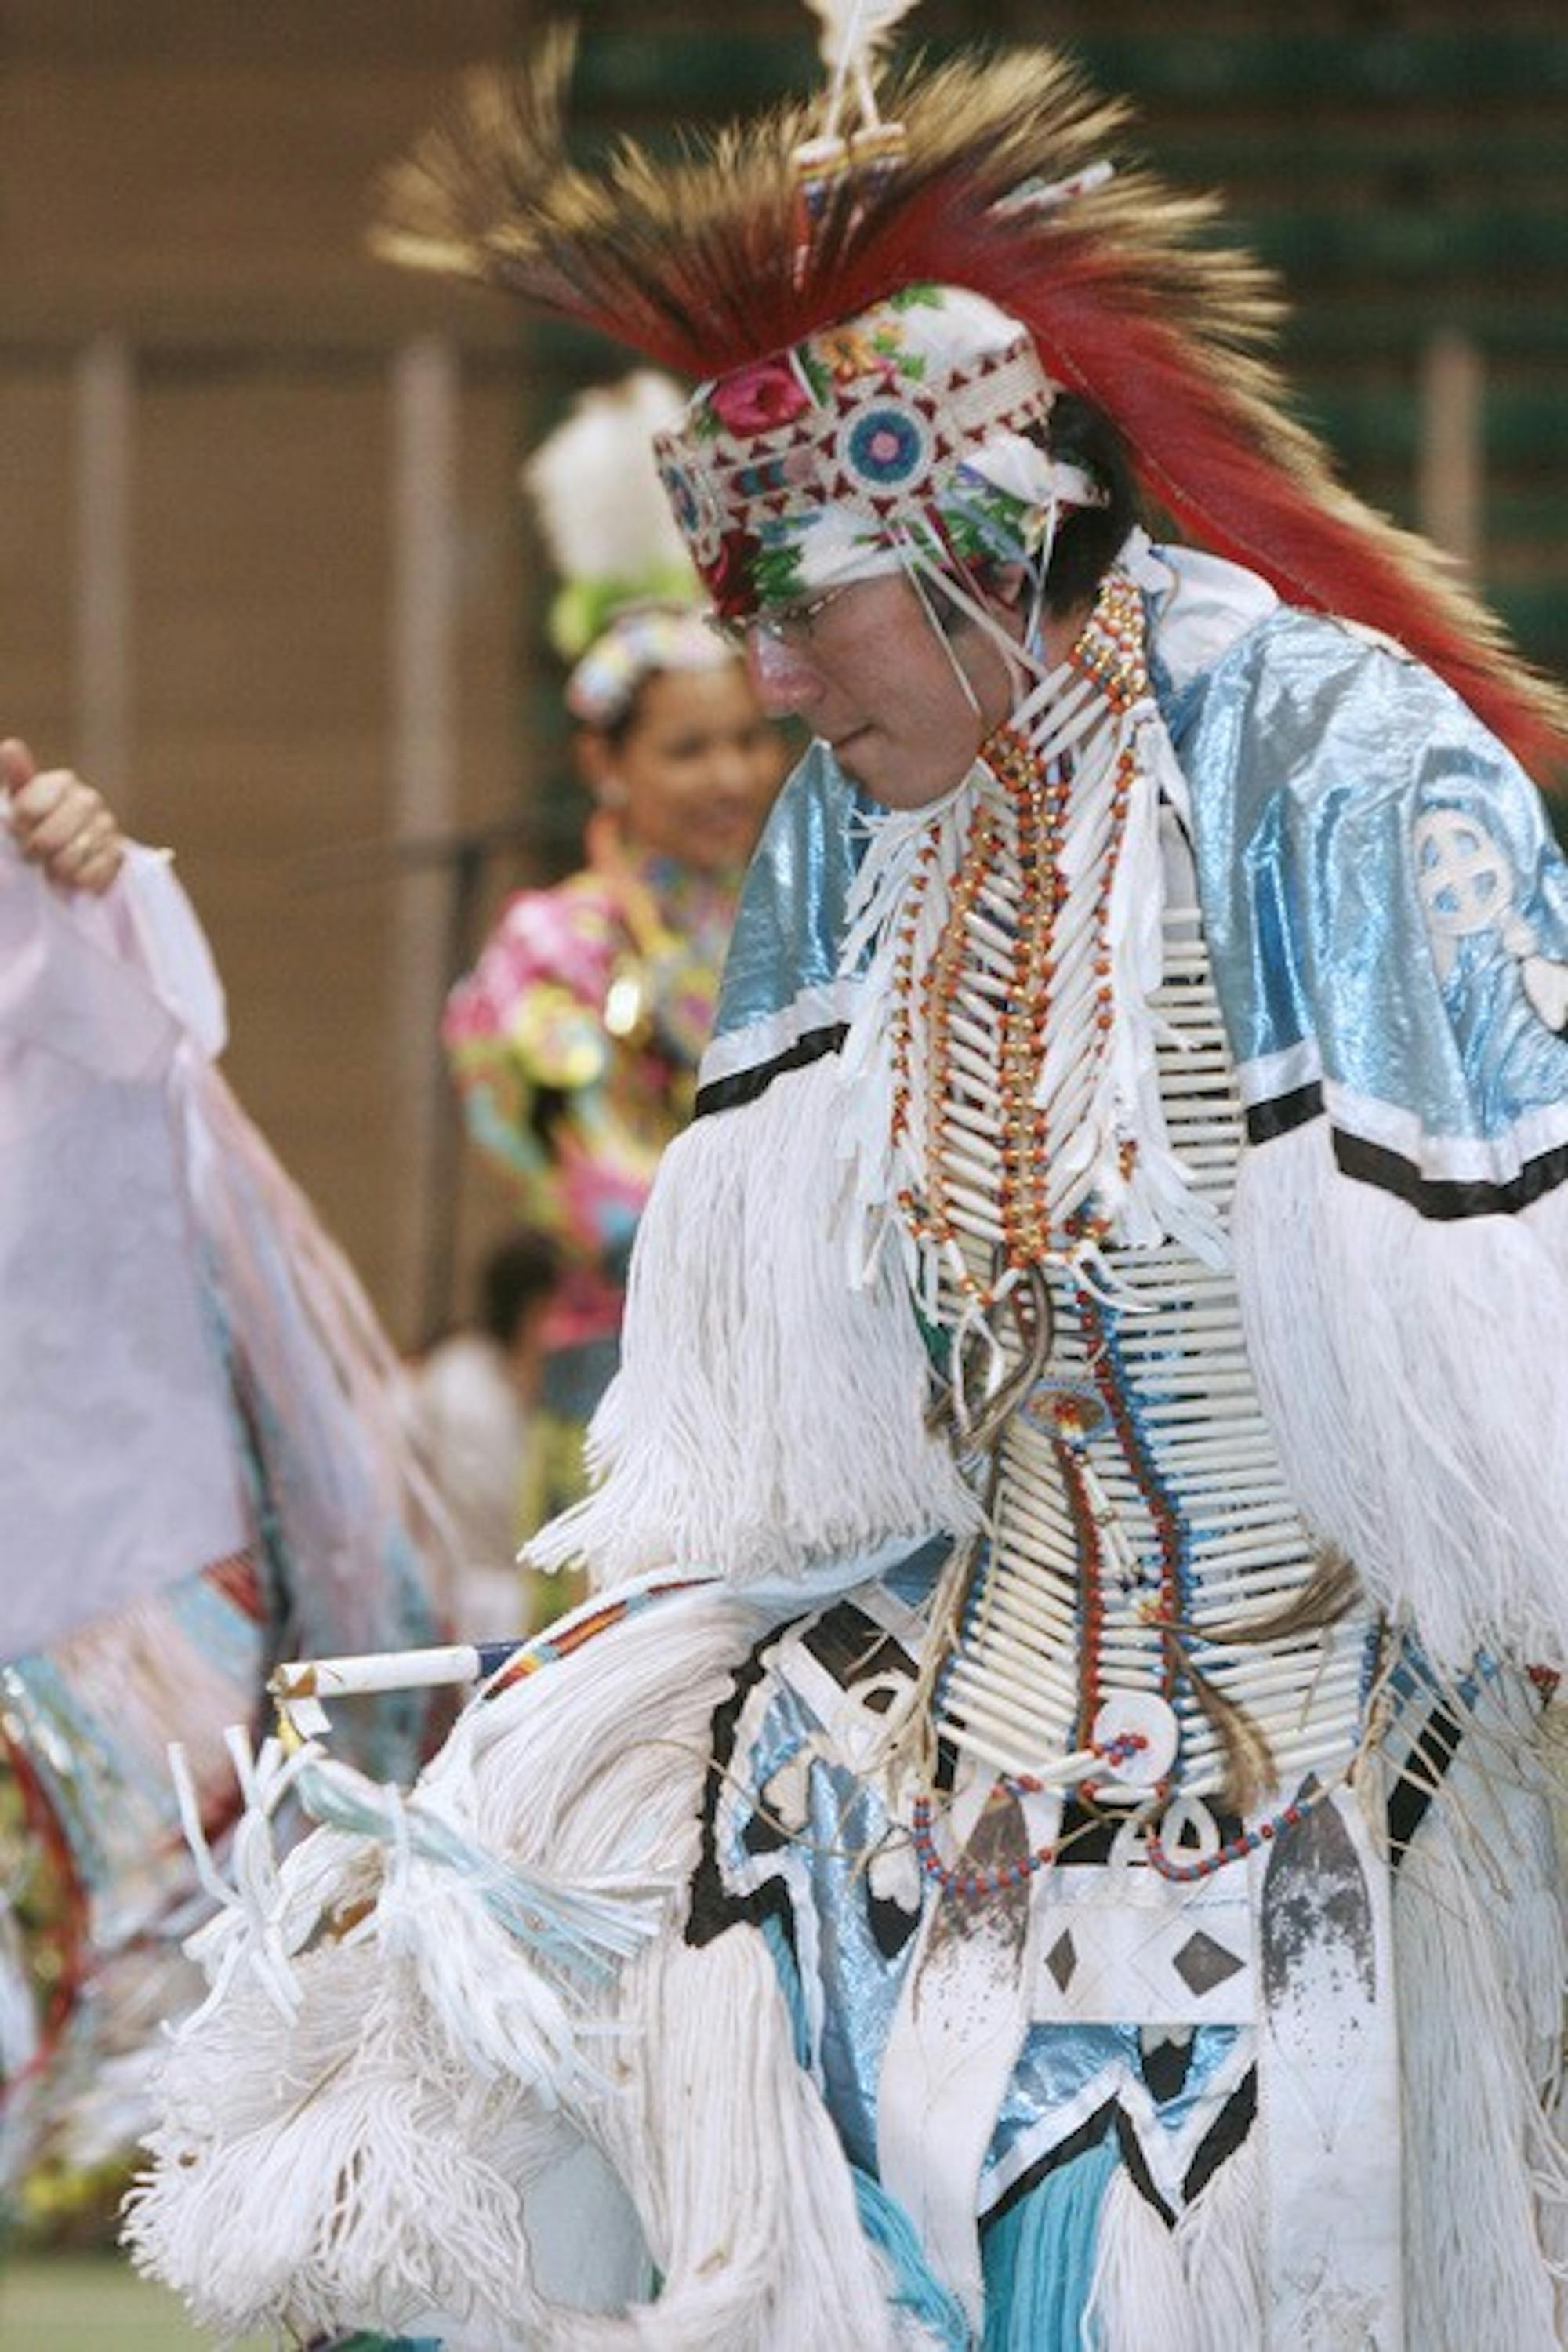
<point x="213" y="406"/>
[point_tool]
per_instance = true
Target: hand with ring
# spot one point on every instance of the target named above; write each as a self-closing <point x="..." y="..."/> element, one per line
<point x="59" y="822"/>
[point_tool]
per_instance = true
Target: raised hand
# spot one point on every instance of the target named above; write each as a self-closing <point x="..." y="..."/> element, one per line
<point x="60" y="823"/>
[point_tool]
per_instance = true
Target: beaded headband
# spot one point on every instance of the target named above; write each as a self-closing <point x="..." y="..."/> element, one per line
<point x="820" y="462"/>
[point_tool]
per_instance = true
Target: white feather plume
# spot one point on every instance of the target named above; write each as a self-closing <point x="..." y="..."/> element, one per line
<point x="855" y="32"/>
<point x="601" y="506"/>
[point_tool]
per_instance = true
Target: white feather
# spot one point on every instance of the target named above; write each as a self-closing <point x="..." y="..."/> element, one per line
<point x="855" y="31"/>
<point x="600" y="504"/>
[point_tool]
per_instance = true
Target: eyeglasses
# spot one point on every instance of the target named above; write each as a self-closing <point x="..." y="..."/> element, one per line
<point x="786" y="625"/>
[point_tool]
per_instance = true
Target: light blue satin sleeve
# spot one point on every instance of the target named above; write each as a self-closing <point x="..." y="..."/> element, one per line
<point x="791" y="918"/>
<point x="1336" y="783"/>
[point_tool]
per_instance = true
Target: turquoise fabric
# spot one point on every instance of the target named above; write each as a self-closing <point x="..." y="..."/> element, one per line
<point x="1313" y="756"/>
<point x="914" y="2289"/>
<point x="1038" y="2258"/>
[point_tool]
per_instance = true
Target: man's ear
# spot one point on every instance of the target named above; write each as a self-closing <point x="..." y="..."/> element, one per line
<point x="1000" y="586"/>
<point x="1006" y="583"/>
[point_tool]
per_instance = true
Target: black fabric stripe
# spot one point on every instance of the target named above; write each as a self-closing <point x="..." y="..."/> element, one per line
<point x="1443" y="1199"/>
<point x="1138" y="2171"/>
<point x="746" y="1086"/>
<point x="1264" y="1120"/>
<point x="1420" y="1780"/>
<point x="1224" y="2135"/>
<point x="1087" y="2134"/>
<point x="711" y="1909"/>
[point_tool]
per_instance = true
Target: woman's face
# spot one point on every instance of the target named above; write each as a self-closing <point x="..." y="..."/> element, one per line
<point x="695" y="772"/>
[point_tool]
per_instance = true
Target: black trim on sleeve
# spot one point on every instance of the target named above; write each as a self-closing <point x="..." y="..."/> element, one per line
<point x="746" y="1086"/>
<point x="1264" y="1120"/>
<point x="1224" y="2135"/>
<point x="1443" y="1199"/>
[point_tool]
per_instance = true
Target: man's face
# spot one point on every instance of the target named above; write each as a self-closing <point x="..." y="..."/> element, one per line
<point x="873" y="677"/>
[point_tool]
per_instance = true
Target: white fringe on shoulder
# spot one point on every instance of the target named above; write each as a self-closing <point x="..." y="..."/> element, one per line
<point x="767" y="1414"/>
<point x="361" y="2157"/>
<point x="1411" y="1370"/>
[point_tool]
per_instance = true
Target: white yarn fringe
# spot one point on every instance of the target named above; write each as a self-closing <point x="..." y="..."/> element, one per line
<point x="735" y="2167"/>
<point x="1160" y="1198"/>
<point x="1198" y="2288"/>
<point x="374" y="2160"/>
<point x="767" y="1416"/>
<point x="1481" y="1958"/>
<point x="1220" y="2239"/>
<point x="1409" y="1369"/>
<point x="1139" y="2300"/>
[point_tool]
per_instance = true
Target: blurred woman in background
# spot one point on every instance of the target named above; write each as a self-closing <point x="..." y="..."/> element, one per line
<point x="575" y="1039"/>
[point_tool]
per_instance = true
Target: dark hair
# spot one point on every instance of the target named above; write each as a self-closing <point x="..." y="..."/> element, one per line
<point x="1088" y="538"/>
<point x="516" y="1275"/>
<point x="616" y="731"/>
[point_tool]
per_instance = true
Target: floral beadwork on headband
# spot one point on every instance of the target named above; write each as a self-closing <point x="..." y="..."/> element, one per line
<point x="871" y="425"/>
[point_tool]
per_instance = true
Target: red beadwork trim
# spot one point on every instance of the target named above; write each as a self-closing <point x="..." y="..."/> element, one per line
<point x="1183" y="1873"/>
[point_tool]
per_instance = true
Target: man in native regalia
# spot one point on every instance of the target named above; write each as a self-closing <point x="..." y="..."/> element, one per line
<point x="1044" y="1838"/>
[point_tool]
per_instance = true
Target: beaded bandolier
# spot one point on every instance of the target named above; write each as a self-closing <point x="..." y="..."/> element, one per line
<point x="1142" y="1545"/>
<point x="1144" y="1536"/>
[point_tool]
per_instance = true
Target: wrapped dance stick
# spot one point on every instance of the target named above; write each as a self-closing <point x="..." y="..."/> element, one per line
<point x="299" y="1686"/>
